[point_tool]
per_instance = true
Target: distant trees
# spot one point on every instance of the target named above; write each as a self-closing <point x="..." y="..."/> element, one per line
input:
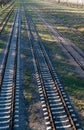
<point x="69" y="2"/>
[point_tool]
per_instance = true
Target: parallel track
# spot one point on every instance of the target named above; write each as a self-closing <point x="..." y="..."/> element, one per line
<point x="5" y="9"/>
<point x="5" y="20"/>
<point x="9" y="87"/>
<point x="76" y="60"/>
<point x="58" y="111"/>
<point x="79" y="60"/>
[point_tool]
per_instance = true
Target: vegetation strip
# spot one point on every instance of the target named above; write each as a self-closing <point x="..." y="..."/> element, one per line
<point x="37" y="53"/>
<point x="73" y="85"/>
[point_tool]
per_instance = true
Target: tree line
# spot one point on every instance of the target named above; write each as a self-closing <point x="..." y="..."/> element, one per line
<point x="78" y="2"/>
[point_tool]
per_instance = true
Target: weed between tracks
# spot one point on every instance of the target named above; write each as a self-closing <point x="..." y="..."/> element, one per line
<point x="34" y="115"/>
<point x="1" y="43"/>
<point x="28" y="90"/>
<point x="74" y="85"/>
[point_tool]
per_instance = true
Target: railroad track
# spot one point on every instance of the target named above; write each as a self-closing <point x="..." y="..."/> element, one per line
<point x="9" y="85"/>
<point x="58" y="111"/>
<point x="5" y="19"/>
<point x="5" y="9"/>
<point x="76" y="54"/>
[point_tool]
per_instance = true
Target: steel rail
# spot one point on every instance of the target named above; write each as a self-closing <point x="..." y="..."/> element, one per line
<point x="61" y="43"/>
<point x="6" y="52"/>
<point x="53" y="77"/>
<point x="8" y="83"/>
<point x="41" y="80"/>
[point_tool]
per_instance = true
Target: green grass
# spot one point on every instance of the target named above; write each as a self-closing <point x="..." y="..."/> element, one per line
<point x="72" y="83"/>
<point x="1" y="44"/>
<point x="72" y="19"/>
<point x="5" y="33"/>
<point x="28" y="90"/>
<point x="65" y="19"/>
<point x="74" y="86"/>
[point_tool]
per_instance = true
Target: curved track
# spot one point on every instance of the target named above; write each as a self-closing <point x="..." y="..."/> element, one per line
<point x="58" y="111"/>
